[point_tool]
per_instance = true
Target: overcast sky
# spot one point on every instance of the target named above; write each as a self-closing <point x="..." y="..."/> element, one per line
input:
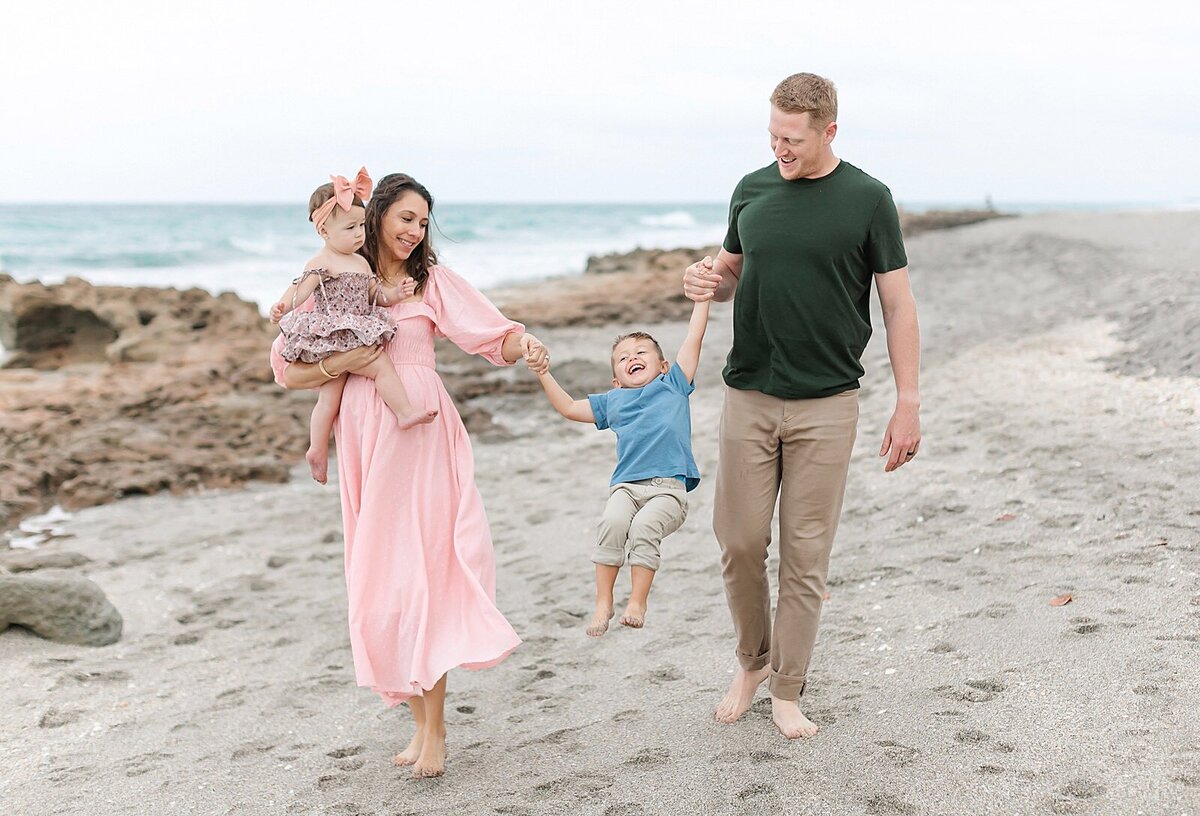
<point x="592" y="101"/>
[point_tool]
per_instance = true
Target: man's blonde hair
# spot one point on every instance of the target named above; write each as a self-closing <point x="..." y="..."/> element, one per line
<point x="807" y="93"/>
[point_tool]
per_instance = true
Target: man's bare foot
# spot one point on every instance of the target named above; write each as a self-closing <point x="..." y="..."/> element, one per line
<point x="790" y="721"/>
<point x="741" y="693"/>
<point x="407" y="421"/>
<point x="600" y="619"/>
<point x="432" y="759"/>
<point x="409" y="755"/>
<point x="318" y="463"/>
<point x="634" y="616"/>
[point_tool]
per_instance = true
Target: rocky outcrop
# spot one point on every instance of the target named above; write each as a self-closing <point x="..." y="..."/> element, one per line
<point x="64" y="608"/>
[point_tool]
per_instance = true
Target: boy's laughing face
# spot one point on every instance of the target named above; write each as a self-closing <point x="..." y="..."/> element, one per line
<point x="636" y="362"/>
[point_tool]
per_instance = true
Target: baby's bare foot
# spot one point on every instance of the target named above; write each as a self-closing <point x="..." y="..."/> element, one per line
<point x="318" y="463"/>
<point x="634" y="616"/>
<point x="600" y="619"/>
<point x="416" y="418"/>
<point x="741" y="693"/>
<point x="409" y="755"/>
<point x="789" y="719"/>
<point x="432" y="760"/>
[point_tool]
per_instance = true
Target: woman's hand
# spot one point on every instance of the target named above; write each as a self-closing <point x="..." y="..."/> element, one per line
<point x="352" y="360"/>
<point x="535" y="354"/>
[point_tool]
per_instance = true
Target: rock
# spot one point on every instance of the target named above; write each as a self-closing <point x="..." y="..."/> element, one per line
<point x="67" y="609"/>
<point x="30" y="560"/>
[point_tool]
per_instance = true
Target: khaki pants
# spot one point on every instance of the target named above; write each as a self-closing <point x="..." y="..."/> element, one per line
<point x="639" y="514"/>
<point x="798" y="450"/>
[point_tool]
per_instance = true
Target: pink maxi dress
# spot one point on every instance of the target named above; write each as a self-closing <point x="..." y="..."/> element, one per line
<point x="420" y="572"/>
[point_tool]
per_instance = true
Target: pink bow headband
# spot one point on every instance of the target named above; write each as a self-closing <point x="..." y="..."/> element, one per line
<point x="344" y="194"/>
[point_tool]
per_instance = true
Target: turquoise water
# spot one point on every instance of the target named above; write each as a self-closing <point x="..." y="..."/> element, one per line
<point x="255" y="250"/>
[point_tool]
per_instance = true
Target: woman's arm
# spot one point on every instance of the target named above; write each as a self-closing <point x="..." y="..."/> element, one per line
<point x="309" y="375"/>
<point x="523" y="345"/>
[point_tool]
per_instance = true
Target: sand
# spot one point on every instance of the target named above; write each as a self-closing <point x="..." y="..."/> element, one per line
<point x="1062" y="431"/>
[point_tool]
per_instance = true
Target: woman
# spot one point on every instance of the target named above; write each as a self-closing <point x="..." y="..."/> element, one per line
<point x="420" y="574"/>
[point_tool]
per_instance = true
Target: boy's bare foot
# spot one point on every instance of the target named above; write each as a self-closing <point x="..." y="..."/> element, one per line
<point x="318" y="463"/>
<point x="432" y="760"/>
<point x="600" y="619"/>
<point x="789" y="719"/>
<point x="409" y="755"/>
<point x="634" y="616"/>
<point x="416" y="418"/>
<point x="741" y="693"/>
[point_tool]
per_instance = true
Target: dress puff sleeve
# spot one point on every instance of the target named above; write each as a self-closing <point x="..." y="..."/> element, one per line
<point x="278" y="364"/>
<point x="468" y="319"/>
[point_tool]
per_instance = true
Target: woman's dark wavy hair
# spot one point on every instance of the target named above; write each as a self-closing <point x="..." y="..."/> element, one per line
<point x="386" y="192"/>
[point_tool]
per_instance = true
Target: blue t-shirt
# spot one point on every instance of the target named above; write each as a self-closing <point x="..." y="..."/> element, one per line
<point x="653" y="425"/>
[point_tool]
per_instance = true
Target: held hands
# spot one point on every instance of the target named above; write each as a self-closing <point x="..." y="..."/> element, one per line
<point x="902" y="439"/>
<point x="278" y="311"/>
<point x="536" y="355"/>
<point x="700" y="280"/>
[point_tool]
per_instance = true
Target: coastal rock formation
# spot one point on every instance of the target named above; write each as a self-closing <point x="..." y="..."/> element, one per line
<point x="64" y="608"/>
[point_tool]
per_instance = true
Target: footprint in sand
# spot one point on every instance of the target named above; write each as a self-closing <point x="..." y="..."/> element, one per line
<point x="649" y="756"/>
<point x="885" y="804"/>
<point x="899" y="754"/>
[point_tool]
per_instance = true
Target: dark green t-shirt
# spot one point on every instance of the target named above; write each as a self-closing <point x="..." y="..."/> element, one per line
<point x="801" y="315"/>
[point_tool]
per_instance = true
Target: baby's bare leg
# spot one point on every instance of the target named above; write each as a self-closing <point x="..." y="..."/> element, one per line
<point x="329" y="400"/>
<point x="391" y="389"/>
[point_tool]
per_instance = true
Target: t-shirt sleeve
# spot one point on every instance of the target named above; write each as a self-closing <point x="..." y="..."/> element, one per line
<point x="885" y="243"/>
<point x="599" y="404"/>
<point x="733" y="240"/>
<point x="677" y="381"/>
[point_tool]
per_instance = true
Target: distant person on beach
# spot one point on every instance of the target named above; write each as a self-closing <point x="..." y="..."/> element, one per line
<point x="348" y="312"/>
<point x="420" y="572"/>
<point x="807" y="235"/>
<point x="648" y="410"/>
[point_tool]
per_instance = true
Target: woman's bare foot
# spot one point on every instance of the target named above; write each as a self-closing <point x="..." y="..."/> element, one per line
<point x="318" y="463"/>
<point x="634" y="616"/>
<point x="415" y="418"/>
<point x="790" y="721"/>
<point x="409" y="755"/>
<point x="600" y="619"/>
<point x="431" y="761"/>
<point x="741" y="693"/>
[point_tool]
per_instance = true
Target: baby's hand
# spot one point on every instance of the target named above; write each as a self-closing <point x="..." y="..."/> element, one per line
<point x="278" y="311"/>
<point x="406" y="289"/>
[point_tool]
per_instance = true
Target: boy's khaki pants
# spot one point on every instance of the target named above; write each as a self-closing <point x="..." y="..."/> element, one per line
<point x="798" y="451"/>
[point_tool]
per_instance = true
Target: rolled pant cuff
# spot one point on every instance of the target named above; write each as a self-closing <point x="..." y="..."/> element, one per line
<point x="751" y="663"/>
<point x="608" y="558"/>
<point x="786" y="687"/>
<point x="637" y="560"/>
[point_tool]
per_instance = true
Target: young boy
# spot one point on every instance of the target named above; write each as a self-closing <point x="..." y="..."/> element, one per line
<point x="648" y="411"/>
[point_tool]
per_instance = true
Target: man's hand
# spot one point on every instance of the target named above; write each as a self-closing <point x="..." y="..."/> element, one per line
<point x="700" y="280"/>
<point x="278" y="311"/>
<point x="536" y="355"/>
<point x="902" y="439"/>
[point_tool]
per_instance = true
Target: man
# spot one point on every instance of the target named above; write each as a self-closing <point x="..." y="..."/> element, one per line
<point x="807" y="235"/>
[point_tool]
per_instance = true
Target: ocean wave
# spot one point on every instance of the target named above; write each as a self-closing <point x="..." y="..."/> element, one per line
<point x="677" y="219"/>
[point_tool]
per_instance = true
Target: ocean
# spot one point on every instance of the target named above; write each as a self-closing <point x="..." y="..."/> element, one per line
<point x="256" y="250"/>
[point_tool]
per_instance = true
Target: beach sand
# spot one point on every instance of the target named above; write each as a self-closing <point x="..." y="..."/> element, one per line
<point x="1061" y="414"/>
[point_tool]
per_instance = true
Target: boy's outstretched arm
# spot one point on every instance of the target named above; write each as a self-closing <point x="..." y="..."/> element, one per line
<point x="577" y="410"/>
<point x="688" y="357"/>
